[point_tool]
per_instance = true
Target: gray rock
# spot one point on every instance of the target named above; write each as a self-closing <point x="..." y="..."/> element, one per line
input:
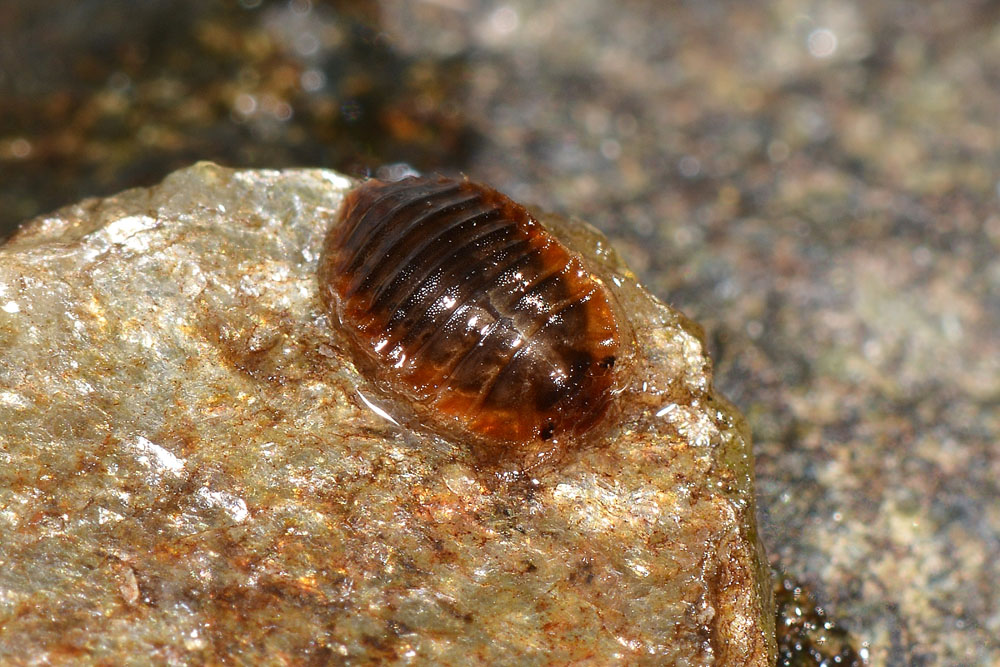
<point x="190" y="470"/>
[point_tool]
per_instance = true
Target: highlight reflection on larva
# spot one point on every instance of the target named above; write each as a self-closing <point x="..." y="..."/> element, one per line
<point x="456" y="299"/>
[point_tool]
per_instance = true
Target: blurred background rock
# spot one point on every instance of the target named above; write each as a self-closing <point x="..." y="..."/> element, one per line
<point x="816" y="182"/>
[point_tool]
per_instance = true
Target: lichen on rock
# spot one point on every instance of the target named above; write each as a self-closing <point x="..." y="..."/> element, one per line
<point x="193" y="469"/>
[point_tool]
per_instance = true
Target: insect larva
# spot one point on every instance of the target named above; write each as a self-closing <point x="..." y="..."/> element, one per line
<point x="456" y="299"/>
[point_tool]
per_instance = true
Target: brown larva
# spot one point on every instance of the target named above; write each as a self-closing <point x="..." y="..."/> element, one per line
<point x="455" y="299"/>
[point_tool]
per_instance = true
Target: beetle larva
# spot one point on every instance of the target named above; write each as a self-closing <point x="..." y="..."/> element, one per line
<point x="456" y="299"/>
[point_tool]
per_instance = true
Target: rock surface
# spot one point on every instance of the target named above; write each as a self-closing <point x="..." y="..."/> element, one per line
<point x="189" y="469"/>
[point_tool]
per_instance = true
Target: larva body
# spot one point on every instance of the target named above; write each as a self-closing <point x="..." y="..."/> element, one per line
<point x="455" y="298"/>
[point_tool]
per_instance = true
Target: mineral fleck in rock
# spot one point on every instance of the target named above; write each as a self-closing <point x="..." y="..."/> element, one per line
<point x="191" y="468"/>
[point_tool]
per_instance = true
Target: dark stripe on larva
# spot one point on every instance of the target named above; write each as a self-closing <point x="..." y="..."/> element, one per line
<point x="473" y="289"/>
<point x="474" y="225"/>
<point x="383" y="208"/>
<point x="454" y="297"/>
<point x="398" y="230"/>
<point x="422" y="319"/>
<point x="490" y="236"/>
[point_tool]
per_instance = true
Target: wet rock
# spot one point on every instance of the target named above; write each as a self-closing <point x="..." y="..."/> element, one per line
<point x="191" y="468"/>
<point x="805" y="634"/>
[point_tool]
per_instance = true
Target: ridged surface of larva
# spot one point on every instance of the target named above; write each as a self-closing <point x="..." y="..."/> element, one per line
<point x="457" y="298"/>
